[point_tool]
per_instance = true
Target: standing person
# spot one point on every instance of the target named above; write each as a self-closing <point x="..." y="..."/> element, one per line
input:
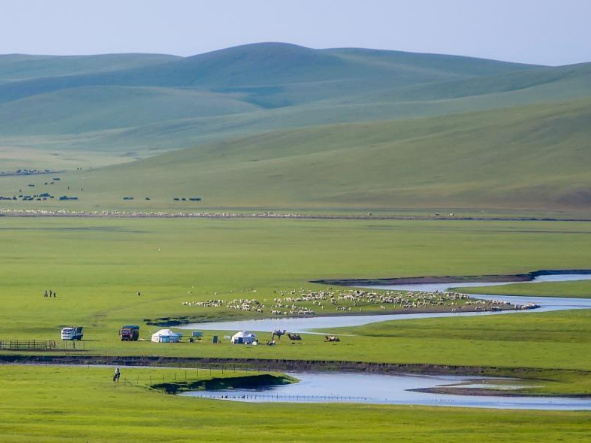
<point x="45" y="294"/>
<point x="117" y="374"/>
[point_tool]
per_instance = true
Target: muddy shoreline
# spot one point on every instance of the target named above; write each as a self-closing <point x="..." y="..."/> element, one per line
<point x="494" y="278"/>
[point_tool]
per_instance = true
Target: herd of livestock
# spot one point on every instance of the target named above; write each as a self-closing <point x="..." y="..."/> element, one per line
<point x="305" y="302"/>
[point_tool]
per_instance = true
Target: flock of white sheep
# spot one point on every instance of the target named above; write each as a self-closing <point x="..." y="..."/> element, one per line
<point x="304" y="302"/>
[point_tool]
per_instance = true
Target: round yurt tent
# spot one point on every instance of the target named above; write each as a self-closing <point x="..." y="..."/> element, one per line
<point x="166" y="336"/>
<point x="243" y="338"/>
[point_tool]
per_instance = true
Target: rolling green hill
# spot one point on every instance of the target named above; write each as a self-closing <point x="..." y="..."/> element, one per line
<point x="147" y="104"/>
<point x="545" y="83"/>
<point x="533" y="157"/>
<point x="18" y="67"/>
<point x="280" y="125"/>
<point x="264" y="65"/>
<point x="97" y="108"/>
<point x="46" y="95"/>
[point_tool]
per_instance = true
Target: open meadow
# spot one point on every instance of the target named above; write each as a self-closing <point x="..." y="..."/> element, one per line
<point x="98" y="266"/>
<point x="579" y="289"/>
<point x="51" y="404"/>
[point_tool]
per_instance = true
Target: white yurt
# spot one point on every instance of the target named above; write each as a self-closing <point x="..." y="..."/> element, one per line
<point x="166" y="336"/>
<point x="243" y="338"/>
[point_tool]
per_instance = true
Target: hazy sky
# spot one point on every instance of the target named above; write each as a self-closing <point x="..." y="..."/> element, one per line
<point x="552" y="32"/>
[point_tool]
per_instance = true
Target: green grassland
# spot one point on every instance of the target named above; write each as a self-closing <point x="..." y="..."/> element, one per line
<point x="579" y="289"/>
<point x="77" y="404"/>
<point x="281" y="127"/>
<point x="542" y="340"/>
<point x="97" y="266"/>
<point x="525" y="345"/>
<point x="530" y="158"/>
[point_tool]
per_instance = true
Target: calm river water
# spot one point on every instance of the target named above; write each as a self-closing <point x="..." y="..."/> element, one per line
<point x="393" y="390"/>
<point x="326" y="324"/>
<point x="397" y="389"/>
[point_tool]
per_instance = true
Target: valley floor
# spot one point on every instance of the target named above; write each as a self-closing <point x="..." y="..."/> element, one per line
<point x="99" y="265"/>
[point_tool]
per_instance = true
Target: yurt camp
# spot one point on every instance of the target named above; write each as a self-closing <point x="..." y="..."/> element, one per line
<point x="243" y="338"/>
<point x="166" y="336"/>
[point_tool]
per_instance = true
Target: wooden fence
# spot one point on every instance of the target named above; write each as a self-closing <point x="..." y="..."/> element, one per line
<point x="41" y="345"/>
<point x="28" y="345"/>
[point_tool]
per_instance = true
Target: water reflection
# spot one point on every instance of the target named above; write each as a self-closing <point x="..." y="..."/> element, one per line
<point x="397" y="389"/>
<point x="327" y="324"/>
<point x="391" y="389"/>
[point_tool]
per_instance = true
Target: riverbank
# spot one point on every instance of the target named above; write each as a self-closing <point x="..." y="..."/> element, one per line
<point x="495" y="278"/>
<point x="217" y="384"/>
<point x="286" y="365"/>
<point x="82" y="403"/>
<point x="492" y="392"/>
<point x="188" y="320"/>
<point x="543" y="380"/>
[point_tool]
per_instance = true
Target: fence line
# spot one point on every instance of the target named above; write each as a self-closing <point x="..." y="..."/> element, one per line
<point x="41" y="345"/>
<point x="28" y="345"/>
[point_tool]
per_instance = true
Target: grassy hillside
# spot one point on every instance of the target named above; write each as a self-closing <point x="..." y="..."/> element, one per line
<point x="98" y="108"/>
<point x="18" y="67"/>
<point x="452" y="64"/>
<point x="270" y="64"/>
<point x="524" y="158"/>
<point x="67" y="113"/>
<point x="84" y="99"/>
<point x="149" y="104"/>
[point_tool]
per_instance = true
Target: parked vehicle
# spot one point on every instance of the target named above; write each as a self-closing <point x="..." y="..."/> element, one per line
<point x="73" y="333"/>
<point x="129" y="333"/>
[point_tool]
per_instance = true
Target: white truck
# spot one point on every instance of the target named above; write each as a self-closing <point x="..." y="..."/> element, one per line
<point x="72" y="333"/>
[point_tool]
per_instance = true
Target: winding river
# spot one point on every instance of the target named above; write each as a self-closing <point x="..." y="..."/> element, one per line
<point x="398" y="389"/>
<point x="326" y="324"/>
<point x="392" y="390"/>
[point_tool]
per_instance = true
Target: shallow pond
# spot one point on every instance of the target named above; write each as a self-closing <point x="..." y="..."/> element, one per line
<point x="393" y="390"/>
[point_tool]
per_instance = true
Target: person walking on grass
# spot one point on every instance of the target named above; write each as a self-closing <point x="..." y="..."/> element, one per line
<point x="116" y="375"/>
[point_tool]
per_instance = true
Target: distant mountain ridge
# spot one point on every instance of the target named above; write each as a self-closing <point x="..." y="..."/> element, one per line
<point x="18" y="67"/>
<point x="96" y="95"/>
<point x="261" y="65"/>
